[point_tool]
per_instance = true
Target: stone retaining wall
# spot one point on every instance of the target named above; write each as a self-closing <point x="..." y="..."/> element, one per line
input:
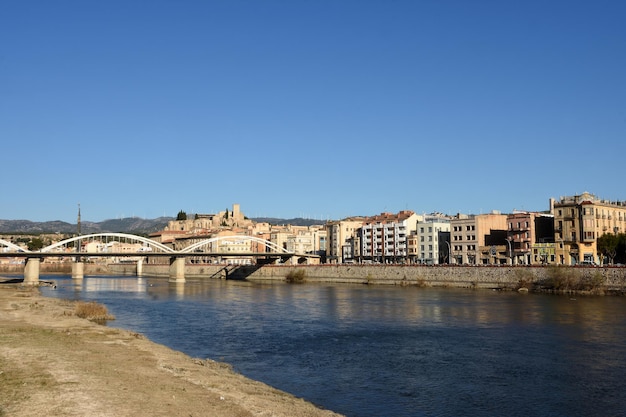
<point x="500" y="277"/>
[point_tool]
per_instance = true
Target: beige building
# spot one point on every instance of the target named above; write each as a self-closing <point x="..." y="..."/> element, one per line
<point x="579" y="221"/>
<point x="340" y="239"/>
<point x="199" y="223"/>
<point x="473" y="235"/>
<point x="300" y="239"/>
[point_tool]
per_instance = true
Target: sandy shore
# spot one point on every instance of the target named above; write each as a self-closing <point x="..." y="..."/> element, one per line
<point x="56" y="364"/>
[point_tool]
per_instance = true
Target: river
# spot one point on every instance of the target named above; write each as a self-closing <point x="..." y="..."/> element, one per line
<point x="367" y="351"/>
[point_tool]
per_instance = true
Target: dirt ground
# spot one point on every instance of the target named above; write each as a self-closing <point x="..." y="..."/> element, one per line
<point x="56" y="364"/>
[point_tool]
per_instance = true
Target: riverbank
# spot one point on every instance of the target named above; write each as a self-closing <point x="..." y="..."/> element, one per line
<point x="542" y="279"/>
<point x="55" y="363"/>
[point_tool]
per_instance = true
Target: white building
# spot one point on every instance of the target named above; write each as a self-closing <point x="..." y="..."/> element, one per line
<point x="433" y="241"/>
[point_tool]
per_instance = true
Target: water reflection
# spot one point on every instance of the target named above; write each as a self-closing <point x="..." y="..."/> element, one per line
<point x="372" y="351"/>
<point x="104" y="284"/>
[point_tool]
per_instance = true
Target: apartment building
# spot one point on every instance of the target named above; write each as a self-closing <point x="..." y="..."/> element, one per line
<point x="430" y="244"/>
<point x="478" y="239"/>
<point x="340" y="239"/>
<point x="300" y="239"/>
<point x="529" y="235"/>
<point x="383" y="238"/>
<point x="579" y="221"/>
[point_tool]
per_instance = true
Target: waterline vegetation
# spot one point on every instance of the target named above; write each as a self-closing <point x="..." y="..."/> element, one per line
<point x="93" y="311"/>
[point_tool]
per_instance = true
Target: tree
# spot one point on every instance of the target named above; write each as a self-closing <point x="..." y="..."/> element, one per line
<point x="181" y="215"/>
<point x="621" y="249"/>
<point x="607" y="246"/>
<point x="35" y="244"/>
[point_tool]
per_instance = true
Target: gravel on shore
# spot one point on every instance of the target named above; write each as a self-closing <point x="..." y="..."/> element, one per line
<point x="56" y="364"/>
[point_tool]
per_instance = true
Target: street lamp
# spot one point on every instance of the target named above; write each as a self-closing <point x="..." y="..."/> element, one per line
<point x="510" y="250"/>
<point x="449" y="252"/>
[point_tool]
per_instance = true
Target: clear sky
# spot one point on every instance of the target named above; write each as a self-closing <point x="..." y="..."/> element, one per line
<point x="321" y="109"/>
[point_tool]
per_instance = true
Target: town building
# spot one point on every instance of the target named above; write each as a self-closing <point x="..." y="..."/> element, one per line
<point x="479" y="239"/>
<point x="383" y="238"/>
<point x="529" y="235"/>
<point x="430" y="244"/>
<point x="340" y="239"/>
<point x="578" y="223"/>
<point x="300" y="239"/>
<point x="198" y="223"/>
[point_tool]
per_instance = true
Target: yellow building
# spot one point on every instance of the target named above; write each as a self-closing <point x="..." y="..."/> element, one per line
<point x="340" y="238"/>
<point x="578" y="223"/>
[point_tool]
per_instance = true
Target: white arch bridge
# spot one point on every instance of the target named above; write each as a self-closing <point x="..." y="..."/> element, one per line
<point x="138" y="248"/>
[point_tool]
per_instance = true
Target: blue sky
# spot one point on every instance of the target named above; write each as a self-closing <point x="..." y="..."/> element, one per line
<point x="321" y="109"/>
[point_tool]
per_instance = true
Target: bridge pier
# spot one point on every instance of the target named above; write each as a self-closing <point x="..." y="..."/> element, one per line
<point x="140" y="267"/>
<point x="177" y="269"/>
<point x="78" y="270"/>
<point x="31" y="271"/>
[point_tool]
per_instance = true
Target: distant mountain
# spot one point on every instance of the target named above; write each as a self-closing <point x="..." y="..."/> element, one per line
<point x="134" y="225"/>
<point x="298" y="221"/>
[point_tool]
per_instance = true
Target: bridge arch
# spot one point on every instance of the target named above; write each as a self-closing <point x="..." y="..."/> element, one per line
<point x="149" y="242"/>
<point x="13" y="246"/>
<point x="273" y="246"/>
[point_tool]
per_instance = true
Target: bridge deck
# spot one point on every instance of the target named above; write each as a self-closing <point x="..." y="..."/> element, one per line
<point x="147" y="254"/>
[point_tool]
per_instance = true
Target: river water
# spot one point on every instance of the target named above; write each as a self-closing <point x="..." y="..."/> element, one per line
<point x="388" y="351"/>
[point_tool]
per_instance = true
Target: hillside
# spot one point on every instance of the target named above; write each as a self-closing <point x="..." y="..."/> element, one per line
<point x="134" y="225"/>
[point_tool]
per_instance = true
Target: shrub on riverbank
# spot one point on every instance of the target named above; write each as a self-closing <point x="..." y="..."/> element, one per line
<point x="295" y="276"/>
<point x="93" y="311"/>
<point x="560" y="279"/>
<point x="525" y="279"/>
